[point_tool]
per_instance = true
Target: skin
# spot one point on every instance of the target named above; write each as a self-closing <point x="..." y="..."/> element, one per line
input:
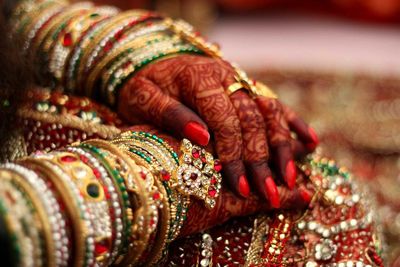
<point x="173" y="92"/>
<point x="228" y="204"/>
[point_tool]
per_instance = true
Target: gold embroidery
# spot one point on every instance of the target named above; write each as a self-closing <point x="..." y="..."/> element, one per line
<point x="68" y="120"/>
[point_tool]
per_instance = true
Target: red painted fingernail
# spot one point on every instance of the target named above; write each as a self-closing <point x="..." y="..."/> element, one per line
<point x="305" y="195"/>
<point x="197" y="133"/>
<point x="244" y="188"/>
<point x="311" y="146"/>
<point x="272" y="192"/>
<point x="291" y="174"/>
<point x="313" y="135"/>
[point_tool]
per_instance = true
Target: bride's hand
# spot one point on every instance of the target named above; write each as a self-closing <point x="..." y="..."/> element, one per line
<point x="186" y="95"/>
<point x="230" y="205"/>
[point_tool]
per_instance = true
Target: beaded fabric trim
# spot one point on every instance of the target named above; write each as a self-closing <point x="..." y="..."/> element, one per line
<point x="67" y="120"/>
<point x="14" y="148"/>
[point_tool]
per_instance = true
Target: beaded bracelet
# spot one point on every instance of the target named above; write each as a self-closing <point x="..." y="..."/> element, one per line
<point x="113" y="198"/>
<point x="74" y="204"/>
<point x="137" y="193"/>
<point x="57" y="220"/>
<point x="127" y="66"/>
<point x="53" y="26"/>
<point x="70" y="73"/>
<point x="51" y="40"/>
<point x="161" y="165"/>
<point x="48" y="210"/>
<point x="169" y="211"/>
<point x="14" y="235"/>
<point x="25" y="20"/>
<point x="126" y="17"/>
<point x="18" y="211"/>
<point x="40" y="23"/>
<point x="123" y="64"/>
<point x="94" y="73"/>
<point x="142" y="29"/>
<point x="112" y="38"/>
<point x="69" y="36"/>
<point x="93" y="190"/>
<point x="61" y="40"/>
<point x="122" y="192"/>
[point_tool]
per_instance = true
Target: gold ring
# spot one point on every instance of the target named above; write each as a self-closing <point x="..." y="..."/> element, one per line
<point x="260" y="89"/>
<point x="234" y="87"/>
<point x="255" y="88"/>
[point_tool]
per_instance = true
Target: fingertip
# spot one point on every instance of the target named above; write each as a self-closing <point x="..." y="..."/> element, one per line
<point x="243" y="186"/>
<point x="234" y="172"/>
<point x="290" y="174"/>
<point x="272" y="192"/>
<point x="305" y="195"/>
<point x="313" y="135"/>
<point x="196" y="133"/>
<point x="311" y="146"/>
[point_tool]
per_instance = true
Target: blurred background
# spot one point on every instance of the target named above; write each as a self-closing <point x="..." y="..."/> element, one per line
<point x="336" y="62"/>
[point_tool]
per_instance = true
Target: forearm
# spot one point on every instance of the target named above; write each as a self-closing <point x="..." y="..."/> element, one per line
<point x="108" y="201"/>
<point x="78" y="208"/>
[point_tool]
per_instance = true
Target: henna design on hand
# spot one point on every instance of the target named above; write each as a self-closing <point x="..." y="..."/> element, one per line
<point x="174" y="92"/>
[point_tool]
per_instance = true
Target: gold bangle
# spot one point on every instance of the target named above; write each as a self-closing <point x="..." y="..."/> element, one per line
<point x="39" y="217"/>
<point x="70" y="79"/>
<point x="161" y="238"/>
<point x="93" y="191"/>
<point x="255" y="89"/>
<point x="42" y="214"/>
<point x="234" y="87"/>
<point x="24" y="22"/>
<point x="13" y="227"/>
<point x="109" y="27"/>
<point x="135" y="63"/>
<point x="167" y="212"/>
<point x="39" y="21"/>
<point x="67" y="39"/>
<point x="138" y="198"/>
<point x="51" y="39"/>
<point x="73" y="208"/>
<point x="42" y="36"/>
<point x="94" y="74"/>
<point x="185" y="31"/>
<point x="107" y="41"/>
<point x="150" y="144"/>
<point x="197" y="173"/>
<point x="260" y="89"/>
<point x="117" y="55"/>
<point x="124" y="66"/>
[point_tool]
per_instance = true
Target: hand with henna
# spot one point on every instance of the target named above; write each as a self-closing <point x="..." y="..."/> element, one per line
<point x="186" y="96"/>
<point x="228" y="204"/>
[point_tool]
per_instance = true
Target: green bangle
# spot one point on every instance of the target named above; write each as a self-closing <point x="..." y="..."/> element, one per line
<point x="123" y="193"/>
<point x="115" y="83"/>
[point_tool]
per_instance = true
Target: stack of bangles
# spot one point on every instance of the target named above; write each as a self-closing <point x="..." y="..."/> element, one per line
<point x="94" y="50"/>
<point x="102" y="203"/>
